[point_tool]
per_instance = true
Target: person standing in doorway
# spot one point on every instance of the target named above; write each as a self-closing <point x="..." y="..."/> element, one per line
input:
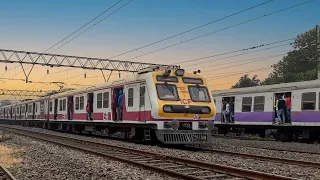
<point x="70" y="109"/>
<point x="88" y="109"/>
<point x="120" y="104"/>
<point x="227" y="112"/>
<point x="224" y="111"/>
<point x="281" y="107"/>
<point x="232" y="111"/>
<point x="288" y="105"/>
<point x="116" y="106"/>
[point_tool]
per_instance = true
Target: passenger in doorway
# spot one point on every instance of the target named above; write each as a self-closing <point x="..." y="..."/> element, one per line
<point x="288" y="105"/>
<point x="280" y="108"/>
<point x="70" y="109"/>
<point x="231" y="111"/>
<point x="88" y="109"/>
<point x="116" y="106"/>
<point x="227" y="112"/>
<point x="120" y="104"/>
<point x="224" y="104"/>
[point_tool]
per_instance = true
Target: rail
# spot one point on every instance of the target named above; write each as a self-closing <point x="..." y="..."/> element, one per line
<point x="173" y="166"/>
<point x="5" y="174"/>
<point x="265" y="158"/>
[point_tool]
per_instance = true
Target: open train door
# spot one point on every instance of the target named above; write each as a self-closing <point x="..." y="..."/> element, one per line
<point x="230" y="101"/>
<point x="70" y="107"/>
<point x="283" y="95"/>
<point x="90" y="99"/>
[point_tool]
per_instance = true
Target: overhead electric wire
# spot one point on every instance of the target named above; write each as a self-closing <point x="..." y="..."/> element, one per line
<point x="231" y="52"/>
<point x="228" y="27"/>
<point x="237" y="55"/>
<point x="234" y="74"/>
<point x="85" y="30"/>
<point x="83" y="25"/>
<point x="93" y="25"/>
<point x="198" y="27"/>
<point x="90" y="27"/>
<point x="78" y="28"/>
<point x="236" y="65"/>
<point x="250" y="60"/>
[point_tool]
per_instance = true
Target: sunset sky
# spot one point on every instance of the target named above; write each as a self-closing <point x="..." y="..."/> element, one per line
<point x="36" y="25"/>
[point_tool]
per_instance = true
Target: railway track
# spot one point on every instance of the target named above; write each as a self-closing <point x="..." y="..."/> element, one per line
<point x="267" y="148"/>
<point x="5" y="174"/>
<point x="265" y="158"/>
<point x="173" y="166"/>
<point x="277" y="149"/>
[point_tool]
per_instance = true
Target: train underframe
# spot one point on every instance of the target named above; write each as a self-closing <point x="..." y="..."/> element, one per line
<point x="127" y="131"/>
<point x="285" y="133"/>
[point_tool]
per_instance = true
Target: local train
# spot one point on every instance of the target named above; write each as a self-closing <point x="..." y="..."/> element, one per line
<point x="255" y="112"/>
<point x="166" y="105"/>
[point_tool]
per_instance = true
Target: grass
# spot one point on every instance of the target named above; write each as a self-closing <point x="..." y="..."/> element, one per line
<point x="6" y="156"/>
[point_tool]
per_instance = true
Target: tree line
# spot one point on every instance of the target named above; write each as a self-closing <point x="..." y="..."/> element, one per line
<point x="300" y="64"/>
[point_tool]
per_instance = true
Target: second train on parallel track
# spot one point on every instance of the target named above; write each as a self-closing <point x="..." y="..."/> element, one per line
<point x="254" y="110"/>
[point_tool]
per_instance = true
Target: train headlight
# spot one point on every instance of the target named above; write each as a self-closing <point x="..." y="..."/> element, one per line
<point x="210" y="125"/>
<point x="205" y="110"/>
<point x="179" y="72"/>
<point x="167" y="108"/>
<point x="175" y="124"/>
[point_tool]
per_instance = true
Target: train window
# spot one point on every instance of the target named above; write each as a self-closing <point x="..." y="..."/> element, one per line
<point x="36" y="107"/>
<point x="60" y="105"/>
<point x="106" y="100"/>
<point x="258" y="103"/>
<point x="77" y="103"/>
<point x="81" y="102"/>
<point x="18" y="110"/>
<point x="30" y="109"/>
<point x="50" y="106"/>
<point x="246" y="104"/>
<point x="167" y="78"/>
<point x="199" y="94"/>
<point x="192" y="80"/>
<point x="130" y="97"/>
<point x="99" y="101"/>
<point x="142" y="95"/>
<point x="308" y="101"/>
<point x="64" y="103"/>
<point x="167" y="92"/>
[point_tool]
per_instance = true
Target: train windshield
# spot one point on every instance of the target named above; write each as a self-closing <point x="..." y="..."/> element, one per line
<point x="167" y="92"/>
<point x="199" y="94"/>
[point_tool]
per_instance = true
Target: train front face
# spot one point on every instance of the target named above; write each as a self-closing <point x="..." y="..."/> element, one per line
<point x="184" y="106"/>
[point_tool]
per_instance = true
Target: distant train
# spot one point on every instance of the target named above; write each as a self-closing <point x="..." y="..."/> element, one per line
<point x="167" y="105"/>
<point x="254" y="110"/>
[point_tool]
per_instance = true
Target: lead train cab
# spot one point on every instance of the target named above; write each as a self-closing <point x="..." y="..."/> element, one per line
<point x="183" y="102"/>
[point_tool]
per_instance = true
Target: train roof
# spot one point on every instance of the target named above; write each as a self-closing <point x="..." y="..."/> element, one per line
<point x="140" y="76"/>
<point x="284" y="87"/>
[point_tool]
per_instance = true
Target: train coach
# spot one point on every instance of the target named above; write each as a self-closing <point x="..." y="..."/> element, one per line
<point x="166" y="105"/>
<point x="254" y="110"/>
